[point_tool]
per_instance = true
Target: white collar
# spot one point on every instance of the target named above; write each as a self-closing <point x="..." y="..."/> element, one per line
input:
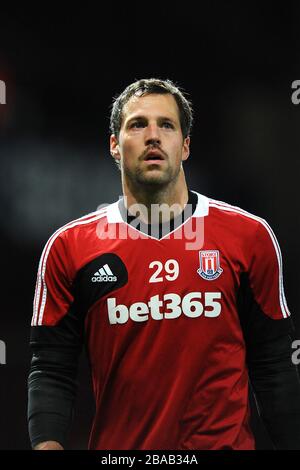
<point x="202" y="209"/>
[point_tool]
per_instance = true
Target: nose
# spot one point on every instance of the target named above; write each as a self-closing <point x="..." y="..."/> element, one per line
<point x="152" y="135"/>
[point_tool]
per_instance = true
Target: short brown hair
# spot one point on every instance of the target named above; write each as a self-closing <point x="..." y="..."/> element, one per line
<point x="151" y="86"/>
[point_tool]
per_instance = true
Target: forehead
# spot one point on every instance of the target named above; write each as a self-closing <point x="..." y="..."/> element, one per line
<point x="152" y="105"/>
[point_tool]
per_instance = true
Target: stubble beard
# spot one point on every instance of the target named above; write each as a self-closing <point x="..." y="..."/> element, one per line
<point x="153" y="179"/>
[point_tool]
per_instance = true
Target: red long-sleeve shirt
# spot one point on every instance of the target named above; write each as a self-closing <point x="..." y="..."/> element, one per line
<point x="161" y="319"/>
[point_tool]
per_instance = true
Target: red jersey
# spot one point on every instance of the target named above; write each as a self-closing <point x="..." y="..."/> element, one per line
<point x="161" y="321"/>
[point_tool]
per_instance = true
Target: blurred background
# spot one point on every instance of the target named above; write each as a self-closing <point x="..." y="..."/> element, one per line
<point x="62" y="68"/>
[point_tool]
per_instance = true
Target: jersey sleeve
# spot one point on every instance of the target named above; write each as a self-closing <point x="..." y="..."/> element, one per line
<point x="266" y="273"/>
<point x="53" y="292"/>
<point x="269" y="331"/>
<point x="56" y="339"/>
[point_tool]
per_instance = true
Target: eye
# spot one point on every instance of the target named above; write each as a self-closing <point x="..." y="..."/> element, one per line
<point x="136" y="124"/>
<point x="168" y="125"/>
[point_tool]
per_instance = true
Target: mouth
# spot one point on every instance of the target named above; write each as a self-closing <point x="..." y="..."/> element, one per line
<point x="154" y="156"/>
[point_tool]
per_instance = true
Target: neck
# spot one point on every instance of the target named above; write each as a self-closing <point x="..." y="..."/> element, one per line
<point x="156" y="204"/>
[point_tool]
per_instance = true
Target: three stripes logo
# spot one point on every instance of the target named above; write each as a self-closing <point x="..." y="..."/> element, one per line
<point x="104" y="274"/>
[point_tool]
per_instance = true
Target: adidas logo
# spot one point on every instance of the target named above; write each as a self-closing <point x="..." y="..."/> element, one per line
<point x="104" y="275"/>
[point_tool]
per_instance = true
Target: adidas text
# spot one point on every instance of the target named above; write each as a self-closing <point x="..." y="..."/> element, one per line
<point x="104" y="278"/>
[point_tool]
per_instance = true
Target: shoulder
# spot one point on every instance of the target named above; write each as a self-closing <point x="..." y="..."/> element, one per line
<point x="235" y="213"/>
<point x="245" y="222"/>
<point x="82" y="223"/>
<point x="69" y="242"/>
<point x="74" y="230"/>
<point x="235" y="218"/>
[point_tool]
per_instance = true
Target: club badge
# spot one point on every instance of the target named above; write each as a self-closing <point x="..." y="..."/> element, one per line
<point x="210" y="268"/>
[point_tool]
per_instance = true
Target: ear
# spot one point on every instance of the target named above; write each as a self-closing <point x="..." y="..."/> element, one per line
<point x="114" y="147"/>
<point x="186" y="148"/>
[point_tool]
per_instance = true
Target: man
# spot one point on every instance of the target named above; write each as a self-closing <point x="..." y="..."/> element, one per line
<point x="178" y="297"/>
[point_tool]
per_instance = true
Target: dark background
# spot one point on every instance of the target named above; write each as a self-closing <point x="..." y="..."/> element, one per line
<point x="236" y="60"/>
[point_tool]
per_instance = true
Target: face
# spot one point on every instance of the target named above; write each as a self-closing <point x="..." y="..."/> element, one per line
<point x="151" y="146"/>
